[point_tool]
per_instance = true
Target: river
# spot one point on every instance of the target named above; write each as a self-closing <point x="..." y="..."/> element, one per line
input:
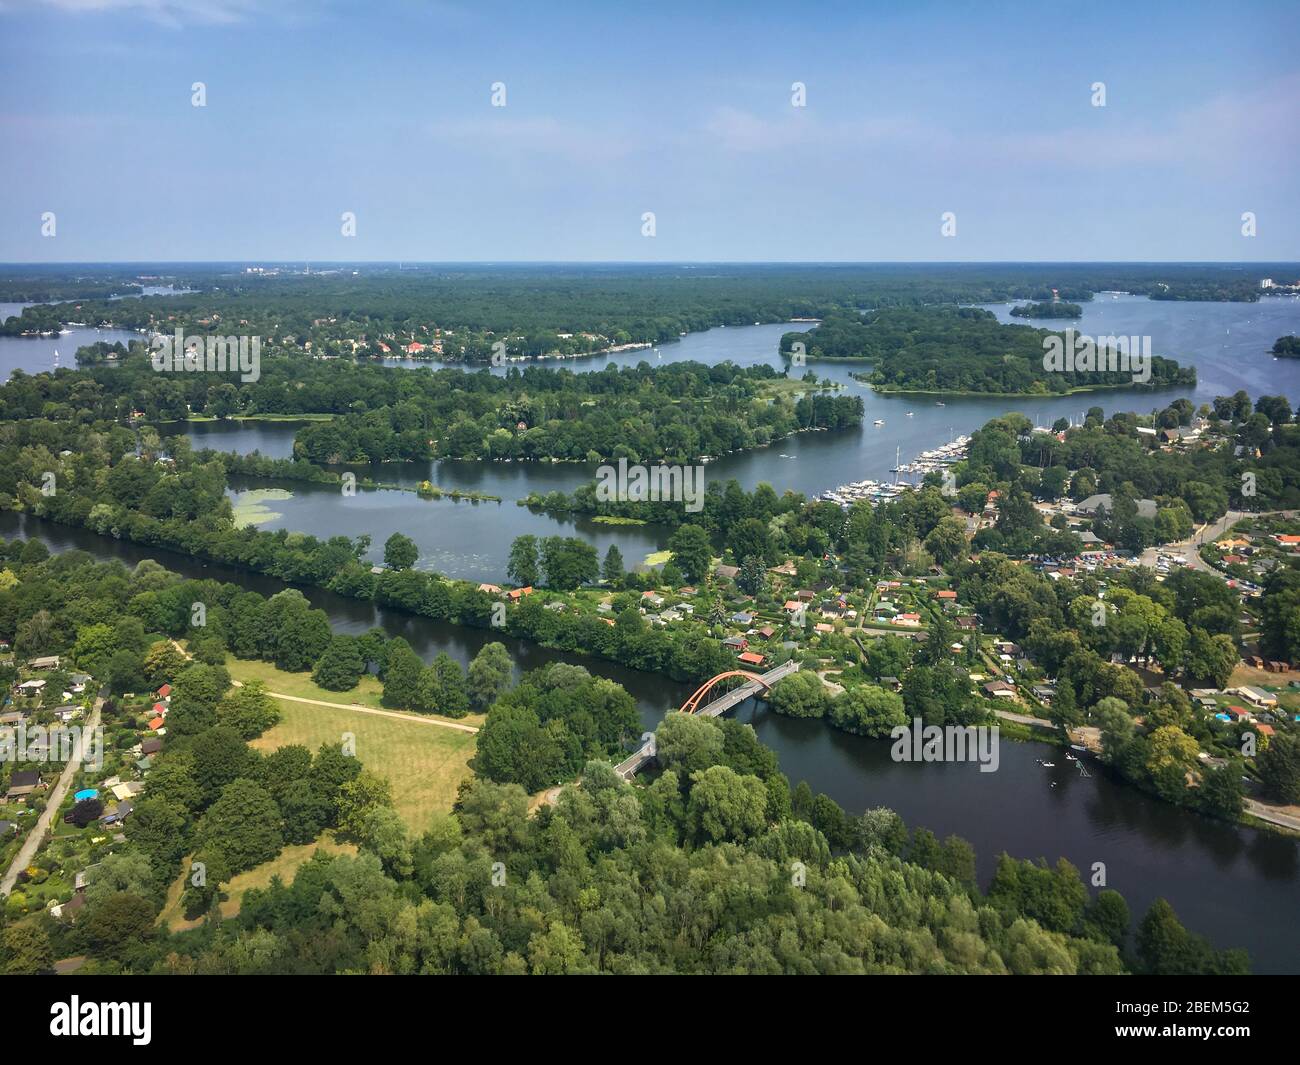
<point x="1237" y="886"/>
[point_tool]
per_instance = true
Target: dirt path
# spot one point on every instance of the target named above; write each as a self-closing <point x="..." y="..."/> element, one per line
<point x="357" y="708"/>
<point x="52" y="802"/>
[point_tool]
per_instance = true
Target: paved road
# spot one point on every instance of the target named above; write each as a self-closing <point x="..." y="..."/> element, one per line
<point x="1272" y="815"/>
<point x="1191" y="547"/>
<point x="53" y="799"/>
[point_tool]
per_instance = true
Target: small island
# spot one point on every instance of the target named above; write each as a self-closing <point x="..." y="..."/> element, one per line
<point x="1287" y="347"/>
<point x="1049" y="309"/>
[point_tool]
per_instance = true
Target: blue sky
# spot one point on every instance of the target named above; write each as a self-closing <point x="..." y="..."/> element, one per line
<point x="384" y="109"/>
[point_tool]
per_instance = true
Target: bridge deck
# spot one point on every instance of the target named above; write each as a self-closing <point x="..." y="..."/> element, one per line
<point x="645" y="753"/>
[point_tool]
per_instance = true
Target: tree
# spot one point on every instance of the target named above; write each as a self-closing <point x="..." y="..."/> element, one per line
<point x="341" y="666"/>
<point x="1210" y="659"/>
<point x="357" y="797"/>
<point x="725" y="806"/>
<point x="947" y="541"/>
<point x="27" y="950"/>
<point x="685" y="743"/>
<point x="162" y="663"/>
<point x="243" y="825"/>
<point x="1279" y="768"/>
<point x="400" y="552"/>
<point x="84" y="812"/>
<point x="868" y="711"/>
<point x="220" y="757"/>
<point x="752" y="578"/>
<point x="118" y="921"/>
<point x="691" y="551"/>
<point x="523" y="565"/>
<point x="612" y="569"/>
<point x="452" y="699"/>
<point x="403" y="672"/>
<point x="248" y="710"/>
<point x="799" y="695"/>
<point x="489" y="675"/>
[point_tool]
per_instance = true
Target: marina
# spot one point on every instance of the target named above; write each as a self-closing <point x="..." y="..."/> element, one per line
<point x="873" y="492"/>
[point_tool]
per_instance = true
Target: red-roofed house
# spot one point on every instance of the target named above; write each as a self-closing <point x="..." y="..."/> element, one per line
<point x="750" y="658"/>
<point x="160" y="709"/>
<point x="516" y="594"/>
<point x="157" y="723"/>
<point x="164" y="691"/>
<point x="950" y="596"/>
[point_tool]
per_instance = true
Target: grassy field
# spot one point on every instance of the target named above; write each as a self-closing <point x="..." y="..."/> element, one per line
<point x="284" y="865"/>
<point x="424" y="762"/>
<point x="369" y="692"/>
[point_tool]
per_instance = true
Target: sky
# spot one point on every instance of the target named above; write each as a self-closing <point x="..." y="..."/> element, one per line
<point x="914" y="112"/>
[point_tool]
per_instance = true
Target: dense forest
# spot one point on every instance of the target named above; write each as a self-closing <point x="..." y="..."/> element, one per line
<point x="614" y="877"/>
<point x="466" y="309"/>
<point x="962" y="349"/>
<point x="674" y="413"/>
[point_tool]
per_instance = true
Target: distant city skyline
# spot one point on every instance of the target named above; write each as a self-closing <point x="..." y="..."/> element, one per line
<point x="917" y="119"/>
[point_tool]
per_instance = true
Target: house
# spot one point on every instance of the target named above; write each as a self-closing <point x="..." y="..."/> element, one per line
<point x="491" y="589"/>
<point x="823" y="627"/>
<point x="966" y="622"/>
<point x="118" y="813"/>
<point x="1265" y="730"/>
<point x="728" y="573"/>
<point x="913" y="620"/>
<point x="48" y="662"/>
<point x="741" y="617"/>
<point x="792" y="606"/>
<point x="1286" y="540"/>
<point x="946" y="596"/>
<point x="767" y="632"/>
<point x="750" y="658"/>
<point x="999" y="689"/>
<point x="157" y="724"/>
<point x="805" y="595"/>
<point x="22" y="782"/>
<point x="736" y="643"/>
<point x="892" y="683"/>
<point x="1240" y="713"/>
<point x="30" y="687"/>
<point x="160" y="709"/>
<point x="515" y="594"/>
<point x="653" y="599"/>
<point x="1258" y="696"/>
<point x="14" y="717"/>
<point x="1044" y="693"/>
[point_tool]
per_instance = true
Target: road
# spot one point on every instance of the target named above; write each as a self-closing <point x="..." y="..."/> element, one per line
<point x="1272" y="815"/>
<point x="1208" y="534"/>
<point x="53" y="800"/>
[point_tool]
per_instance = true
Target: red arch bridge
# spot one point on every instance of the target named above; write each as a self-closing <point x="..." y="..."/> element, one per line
<point x="696" y="704"/>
